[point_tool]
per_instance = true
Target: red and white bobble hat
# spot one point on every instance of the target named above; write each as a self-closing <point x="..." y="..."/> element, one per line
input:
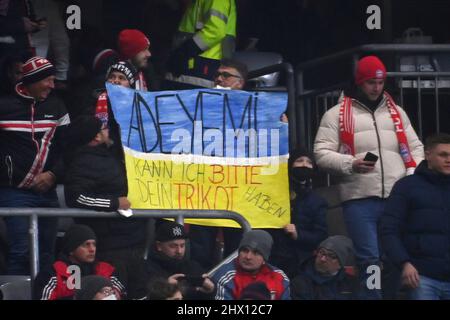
<point x="36" y="69"/>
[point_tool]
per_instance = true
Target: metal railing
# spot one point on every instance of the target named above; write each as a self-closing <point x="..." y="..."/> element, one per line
<point x="179" y="215"/>
<point x="288" y="73"/>
<point x="313" y="103"/>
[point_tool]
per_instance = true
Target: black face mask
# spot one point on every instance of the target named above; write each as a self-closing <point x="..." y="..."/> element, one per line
<point x="302" y="179"/>
<point x="302" y="173"/>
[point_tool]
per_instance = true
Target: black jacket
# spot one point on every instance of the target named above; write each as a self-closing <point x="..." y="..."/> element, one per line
<point x="309" y="217"/>
<point x="415" y="226"/>
<point x="159" y="265"/>
<point x="95" y="179"/>
<point x="31" y="138"/>
<point x="310" y="285"/>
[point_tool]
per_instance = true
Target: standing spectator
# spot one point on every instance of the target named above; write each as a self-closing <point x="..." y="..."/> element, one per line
<point x="415" y="226"/>
<point x="206" y="35"/>
<point x="134" y="47"/>
<point x="53" y="38"/>
<point x="78" y="250"/>
<point x="366" y="120"/>
<point x="249" y="267"/>
<point x="298" y="239"/>
<point x="96" y="180"/>
<point x="323" y="276"/>
<point x="168" y="260"/>
<point x="31" y="121"/>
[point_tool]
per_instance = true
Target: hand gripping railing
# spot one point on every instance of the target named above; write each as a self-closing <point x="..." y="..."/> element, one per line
<point x="179" y="215"/>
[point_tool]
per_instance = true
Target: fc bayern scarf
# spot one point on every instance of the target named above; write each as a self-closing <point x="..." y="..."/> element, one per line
<point x="347" y="129"/>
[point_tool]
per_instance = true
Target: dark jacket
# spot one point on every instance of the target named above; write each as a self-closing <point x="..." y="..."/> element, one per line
<point x="309" y="216"/>
<point x="159" y="265"/>
<point x="95" y="180"/>
<point x="52" y="284"/>
<point x="30" y="138"/>
<point x="310" y="285"/>
<point x="415" y="226"/>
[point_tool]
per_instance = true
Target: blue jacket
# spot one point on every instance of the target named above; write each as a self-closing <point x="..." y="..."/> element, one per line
<point x="415" y="226"/>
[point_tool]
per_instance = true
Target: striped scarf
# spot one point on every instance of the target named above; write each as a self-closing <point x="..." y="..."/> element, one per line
<point x="347" y="130"/>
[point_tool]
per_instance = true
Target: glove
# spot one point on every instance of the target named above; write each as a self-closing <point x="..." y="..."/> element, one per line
<point x="178" y="61"/>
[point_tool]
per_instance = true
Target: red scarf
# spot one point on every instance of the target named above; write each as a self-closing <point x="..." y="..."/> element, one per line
<point x="347" y="129"/>
<point x="101" y="108"/>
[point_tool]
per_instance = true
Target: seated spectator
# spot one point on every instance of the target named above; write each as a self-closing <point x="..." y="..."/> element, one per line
<point x="249" y="267"/>
<point x="298" y="239"/>
<point x="415" y="232"/>
<point x="160" y="289"/>
<point x="255" y="291"/>
<point x="95" y="288"/>
<point x="78" y="249"/>
<point x="323" y="276"/>
<point x="168" y="260"/>
<point x="96" y="180"/>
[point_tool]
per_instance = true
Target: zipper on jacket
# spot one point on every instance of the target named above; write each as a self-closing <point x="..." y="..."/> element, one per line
<point x="378" y="139"/>
<point x="9" y="166"/>
<point x="379" y="152"/>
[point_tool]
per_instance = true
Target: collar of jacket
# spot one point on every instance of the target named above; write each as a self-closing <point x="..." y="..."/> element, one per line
<point x="167" y="263"/>
<point x="308" y="269"/>
<point x="431" y="175"/>
<point x="20" y="91"/>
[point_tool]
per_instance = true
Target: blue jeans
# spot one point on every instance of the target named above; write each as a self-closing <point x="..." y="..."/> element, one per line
<point x="17" y="228"/>
<point x="431" y="289"/>
<point x="361" y="219"/>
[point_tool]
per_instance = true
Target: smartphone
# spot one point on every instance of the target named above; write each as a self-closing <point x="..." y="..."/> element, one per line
<point x="371" y="157"/>
<point x="195" y="281"/>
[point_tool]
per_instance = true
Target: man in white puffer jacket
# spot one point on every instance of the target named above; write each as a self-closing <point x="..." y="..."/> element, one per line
<point x="367" y="120"/>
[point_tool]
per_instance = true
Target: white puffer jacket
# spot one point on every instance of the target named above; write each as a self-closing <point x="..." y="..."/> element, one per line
<point x="374" y="132"/>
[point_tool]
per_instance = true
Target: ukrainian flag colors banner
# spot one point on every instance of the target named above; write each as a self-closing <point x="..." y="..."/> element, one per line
<point x="206" y="149"/>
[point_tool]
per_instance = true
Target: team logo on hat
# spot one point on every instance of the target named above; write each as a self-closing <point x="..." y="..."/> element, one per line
<point x="379" y="73"/>
<point x="177" y="232"/>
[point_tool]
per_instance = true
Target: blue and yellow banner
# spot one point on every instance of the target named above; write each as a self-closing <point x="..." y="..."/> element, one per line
<point x="206" y="149"/>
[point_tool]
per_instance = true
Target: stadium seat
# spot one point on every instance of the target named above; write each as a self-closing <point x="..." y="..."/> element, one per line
<point x="17" y="290"/>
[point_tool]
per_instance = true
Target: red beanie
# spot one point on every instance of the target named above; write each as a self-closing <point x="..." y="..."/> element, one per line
<point x="369" y="67"/>
<point x="131" y="42"/>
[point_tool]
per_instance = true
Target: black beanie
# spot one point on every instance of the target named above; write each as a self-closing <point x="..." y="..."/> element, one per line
<point x="170" y="230"/>
<point x="90" y="286"/>
<point x="82" y="130"/>
<point x="127" y="69"/>
<point x="300" y="152"/>
<point x="255" y="291"/>
<point x="75" y="236"/>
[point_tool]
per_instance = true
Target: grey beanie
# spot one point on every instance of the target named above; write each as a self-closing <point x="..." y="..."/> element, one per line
<point x="342" y="246"/>
<point x="258" y="240"/>
<point x="90" y="286"/>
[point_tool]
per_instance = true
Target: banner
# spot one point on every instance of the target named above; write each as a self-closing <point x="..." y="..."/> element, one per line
<point x="206" y="149"/>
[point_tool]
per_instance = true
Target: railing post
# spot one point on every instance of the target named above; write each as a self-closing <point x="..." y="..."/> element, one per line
<point x="34" y="246"/>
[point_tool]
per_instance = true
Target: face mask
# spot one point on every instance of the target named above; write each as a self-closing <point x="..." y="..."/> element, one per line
<point x="223" y="88"/>
<point x="302" y="173"/>
<point x="110" y="297"/>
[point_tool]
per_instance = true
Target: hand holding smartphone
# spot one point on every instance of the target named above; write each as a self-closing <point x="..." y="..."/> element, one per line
<point x="371" y="157"/>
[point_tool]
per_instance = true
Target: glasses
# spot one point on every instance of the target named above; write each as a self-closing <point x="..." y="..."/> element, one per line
<point x="327" y="254"/>
<point x="107" y="291"/>
<point x="226" y="75"/>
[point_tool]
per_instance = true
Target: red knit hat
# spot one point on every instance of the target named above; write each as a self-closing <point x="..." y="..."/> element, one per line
<point x="131" y="42"/>
<point x="36" y="69"/>
<point x="369" y="67"/>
